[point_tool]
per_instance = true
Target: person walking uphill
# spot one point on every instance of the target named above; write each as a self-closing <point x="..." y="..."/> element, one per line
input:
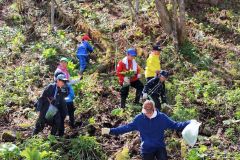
<point x="82" y="53"/>
<point x="151" y="124"/>
<point x="128" y="73"/>
<point x="153" y="63"/>
<point x="62" y="68"/>
<point x="53" y="94"/>
<point x="155" y="88"/>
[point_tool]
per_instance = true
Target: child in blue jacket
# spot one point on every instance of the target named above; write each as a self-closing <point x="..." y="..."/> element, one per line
<point x="82" y="53"/>
<point x="151" y="124"/>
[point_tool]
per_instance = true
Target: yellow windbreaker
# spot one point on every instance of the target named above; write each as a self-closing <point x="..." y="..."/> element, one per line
<point x="153" y="65"/>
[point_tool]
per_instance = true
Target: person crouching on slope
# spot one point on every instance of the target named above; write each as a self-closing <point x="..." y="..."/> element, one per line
<point x="53" y="94"/>
<point x="155" y="88"/>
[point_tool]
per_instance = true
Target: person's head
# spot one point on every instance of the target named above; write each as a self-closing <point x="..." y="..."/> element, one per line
<point x="131" y="53"/>
<point x="148" y="108"/>
<point x="156" y="49"/>
<point x="86" y="38"/>
<point x="61" y="80"/>
<point x="64" y="62"/>
<point x="163" y="75"/>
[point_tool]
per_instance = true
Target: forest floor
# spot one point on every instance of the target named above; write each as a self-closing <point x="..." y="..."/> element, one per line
<point x="205" y="84"/>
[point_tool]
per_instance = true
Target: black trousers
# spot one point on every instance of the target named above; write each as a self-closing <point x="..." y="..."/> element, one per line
<point x="125" y="91"/>
<point x="155" y="97"/>
<point x="57" y="124"/>
<point x="157" y="102"/>
<point x="160" y="154"/>
<point x="71" y="110"/>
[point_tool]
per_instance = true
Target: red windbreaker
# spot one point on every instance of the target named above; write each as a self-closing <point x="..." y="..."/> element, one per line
<point x="121" y="67"/>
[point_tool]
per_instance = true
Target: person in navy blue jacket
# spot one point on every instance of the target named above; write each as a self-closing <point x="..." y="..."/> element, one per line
<point x="82" y="53"/>
<point x="155" y="88"/>
<point x="54" y="93"/>
<point x="69" y="100"/>
<point x="151" y="124"/>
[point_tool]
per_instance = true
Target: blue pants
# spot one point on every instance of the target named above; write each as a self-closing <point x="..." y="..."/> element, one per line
<point x="83" y="60"/>
<point x="160" y="154"/>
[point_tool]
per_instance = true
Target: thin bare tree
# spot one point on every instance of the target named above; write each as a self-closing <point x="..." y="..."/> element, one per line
<point x="173" y="20"/>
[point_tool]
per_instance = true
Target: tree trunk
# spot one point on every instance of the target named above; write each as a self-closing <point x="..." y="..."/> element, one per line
<point x="182" y="23"/>
<point x="175" y="25"/>
<point x="173" y="22"/>
<point x="131" y="8"/>
<point x="164" y="16"/>
<point x="52" y="14"/>
<point x="137" y="5"/>
<point x="20" y="6"/>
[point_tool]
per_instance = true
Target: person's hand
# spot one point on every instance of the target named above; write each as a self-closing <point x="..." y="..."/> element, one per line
<point x="164" y="104"/>
<point x="105" y="131"/>
<point x="139" y="76"/>
<point x="145" y="95"/>
<point x="126" y="79"/>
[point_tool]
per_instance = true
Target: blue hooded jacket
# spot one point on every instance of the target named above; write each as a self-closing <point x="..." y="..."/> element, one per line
<point x="83" y="49"/>
<point x="151" y="130"/>
<point x="71" y="95"/>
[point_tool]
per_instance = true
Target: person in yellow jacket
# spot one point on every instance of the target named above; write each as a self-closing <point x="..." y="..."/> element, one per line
<point x="153" y="66"/>
<point x="153" y="63"/>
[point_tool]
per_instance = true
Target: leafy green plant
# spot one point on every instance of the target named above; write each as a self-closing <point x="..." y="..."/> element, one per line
<point x="190" y="51"/>
<point x="182" y="113"/>
<point x="197" y="153"/>
<point x="18" y="41"/>
<point x="85" y="147"/>
<point x="49" y="53"/>
<point x="117" y="112"/>
<point x="237" y="114"/>
<point x="233" y="97"/>
<point x="130" y="73"/>
<point x="123" y="154"/>
<point x="9" y="151"/>
<point x="71" y="69"/>
<point x="32" y="154"/>
<point x="230" y="133"/>
<point x="61" y="34"/>
<point x="39" y="147"/>
<point x="92" y="120"/>
<point x="3" y="110"/>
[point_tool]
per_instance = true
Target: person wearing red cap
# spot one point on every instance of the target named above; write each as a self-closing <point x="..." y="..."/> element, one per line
<point x="128" y="72"/>
<point x="82" y="53"/>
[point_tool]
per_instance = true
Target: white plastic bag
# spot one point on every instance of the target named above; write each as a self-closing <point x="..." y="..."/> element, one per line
<point x="190" y="132"/>
<point x="52" y="110"/>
